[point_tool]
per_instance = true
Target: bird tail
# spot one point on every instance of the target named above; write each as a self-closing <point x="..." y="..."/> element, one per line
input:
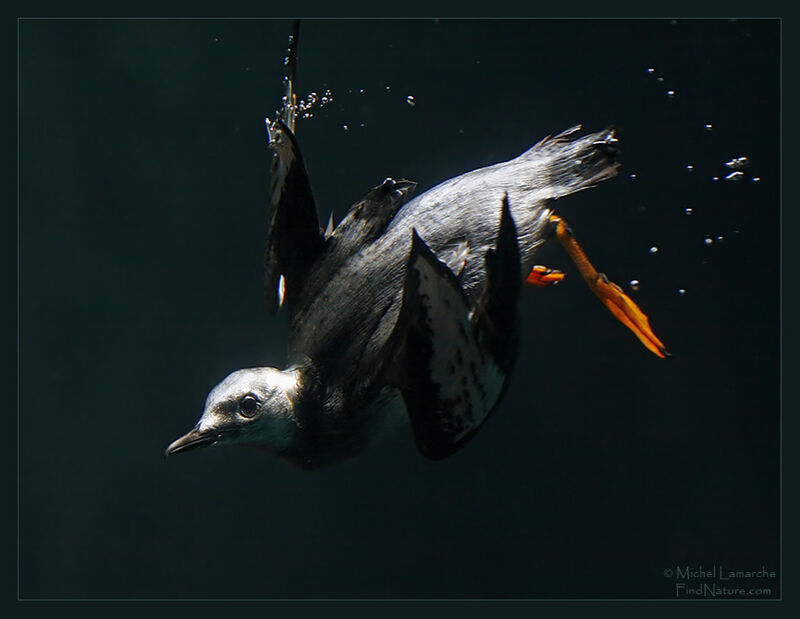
<point x="574" y="163"/>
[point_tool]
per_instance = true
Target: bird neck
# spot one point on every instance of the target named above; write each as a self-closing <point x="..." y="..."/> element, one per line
<point x="326" y="430"/>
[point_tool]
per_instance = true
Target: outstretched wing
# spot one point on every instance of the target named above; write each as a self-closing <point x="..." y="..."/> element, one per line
<point x="454" y="360"/>
<point x="295" y="240"/>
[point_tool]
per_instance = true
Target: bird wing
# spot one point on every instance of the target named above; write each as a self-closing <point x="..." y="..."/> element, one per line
<point x="454" y="361"/>
<point x="295" y="239"/>
<point x="368" y="218"/>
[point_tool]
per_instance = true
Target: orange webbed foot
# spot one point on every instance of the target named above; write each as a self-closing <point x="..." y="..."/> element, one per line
<point x="628" y="313"/>
<point x="542" y="277"/>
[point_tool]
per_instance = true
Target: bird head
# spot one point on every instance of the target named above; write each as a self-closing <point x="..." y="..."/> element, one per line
<point x="254" y="406"/>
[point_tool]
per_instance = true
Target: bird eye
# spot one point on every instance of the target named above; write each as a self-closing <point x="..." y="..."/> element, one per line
<point x="248" y="406"/>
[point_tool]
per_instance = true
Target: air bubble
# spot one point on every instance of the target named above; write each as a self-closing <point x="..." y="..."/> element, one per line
<point x="708" y="126"/>
<point x="756" y="179"/>
<point x="670" y="94"/>
<point x="681" y="291"/>
<point x="688" y="210"/>
<point x="690" y="168"/>
<point x="737" y="163"/>
<point x="411" y="101"/>
<point x="654" y="250"/>
<point x="634" y="284"/>
<point x="735" y="176"/>
<point x="345" y="127"/>
<point x="708" y="241"/>
<point x="632" y="177"/>
<point x="651" y="70"/>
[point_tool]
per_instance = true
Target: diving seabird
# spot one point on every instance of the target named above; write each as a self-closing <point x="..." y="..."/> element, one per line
<point x="406" y="303"/>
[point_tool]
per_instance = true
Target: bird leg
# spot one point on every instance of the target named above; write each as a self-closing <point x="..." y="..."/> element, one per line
<point x="617" y="302"/>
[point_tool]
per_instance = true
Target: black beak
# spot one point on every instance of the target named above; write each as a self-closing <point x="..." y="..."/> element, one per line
<point x="191" y="440"/>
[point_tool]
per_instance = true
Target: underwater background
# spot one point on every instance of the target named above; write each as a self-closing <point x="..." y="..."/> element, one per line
<point x="604" y="473"/>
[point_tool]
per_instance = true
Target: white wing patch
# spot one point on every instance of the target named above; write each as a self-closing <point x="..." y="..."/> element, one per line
<point x="281" y="291"/>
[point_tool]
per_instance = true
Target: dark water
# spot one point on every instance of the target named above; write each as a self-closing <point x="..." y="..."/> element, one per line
<point x="143" y="182"/>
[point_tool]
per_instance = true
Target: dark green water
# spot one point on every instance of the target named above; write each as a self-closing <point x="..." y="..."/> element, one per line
<point x="143" y="184"/>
